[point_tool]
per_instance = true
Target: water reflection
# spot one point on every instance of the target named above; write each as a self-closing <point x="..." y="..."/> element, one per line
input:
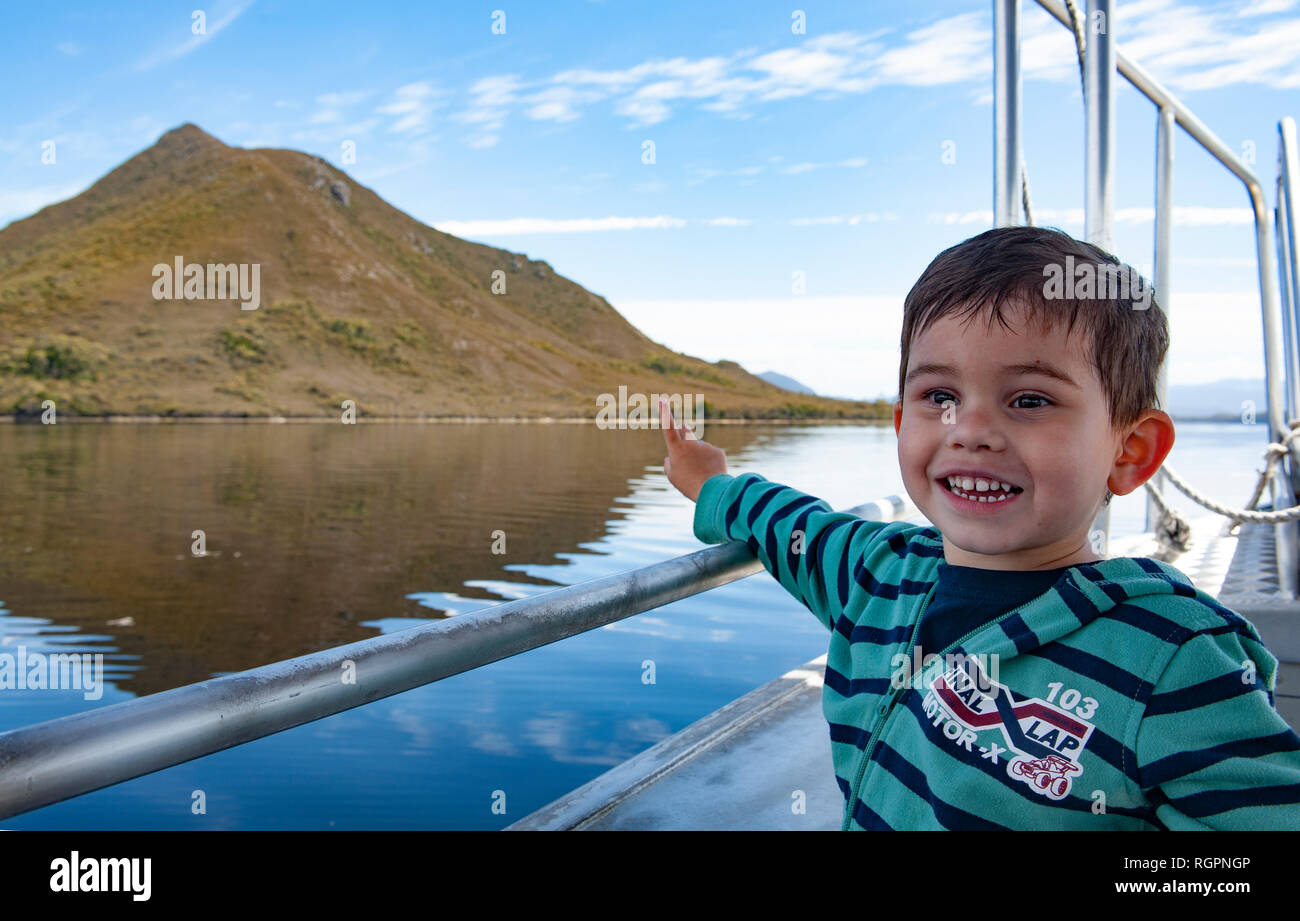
<point x="315" y="535"/>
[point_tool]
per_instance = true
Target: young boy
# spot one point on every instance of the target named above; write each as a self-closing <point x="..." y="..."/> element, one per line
<point x="1055" y="689"/>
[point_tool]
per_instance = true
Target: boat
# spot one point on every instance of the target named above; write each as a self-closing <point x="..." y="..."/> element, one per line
<point x="763" y="761"/>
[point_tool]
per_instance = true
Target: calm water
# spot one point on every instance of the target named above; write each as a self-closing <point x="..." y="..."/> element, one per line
<point x="319" y="535"/>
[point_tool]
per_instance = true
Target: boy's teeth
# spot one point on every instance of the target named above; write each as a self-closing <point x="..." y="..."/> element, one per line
<point x="963" y="485"/>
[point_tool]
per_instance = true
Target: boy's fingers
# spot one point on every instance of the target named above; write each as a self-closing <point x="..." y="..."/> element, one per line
<point x="671" y="435"/>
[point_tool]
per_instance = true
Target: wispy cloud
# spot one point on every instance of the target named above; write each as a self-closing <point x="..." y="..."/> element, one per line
<point x="1199" y="48"/>
<point x="1247" y="43"/>
<point x="170" y="49"/>
<point x="331" y="106"/>
<point x="852" y="220"/>
<point x="1266" y="7"/>
<point x="412" y="104"/>
<point x="1183" y="215"/>
<point x="535" y="225"/>
<point x="795" y="169"/>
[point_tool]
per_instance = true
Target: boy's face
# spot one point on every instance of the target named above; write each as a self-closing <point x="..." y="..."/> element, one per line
<point x="1050" y="438"/>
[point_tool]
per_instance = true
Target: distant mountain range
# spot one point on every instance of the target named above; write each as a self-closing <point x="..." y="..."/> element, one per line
<point x="786" y="383"/>
<point x="356" y="301"/>
<point x="1221" y="399"/>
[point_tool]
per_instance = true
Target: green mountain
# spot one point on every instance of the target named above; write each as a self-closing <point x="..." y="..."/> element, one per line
<point x="355" y="301"/>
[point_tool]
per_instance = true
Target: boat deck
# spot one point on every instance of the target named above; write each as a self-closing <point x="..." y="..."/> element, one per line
<point x="743" y="766"/>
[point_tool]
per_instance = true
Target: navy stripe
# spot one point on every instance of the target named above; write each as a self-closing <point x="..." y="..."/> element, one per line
<point x="1019" y="633"/>
<point x="1115" y="753"/>
<point x="1229" y="616"/>
<point x="773" y="550"/>
<point x="814" y="552"/>
<point x="761" y="504"/>
<point x="880" y="636"/>
<point x="1083" y="608"/>
<point x="1177" y="585"/>
<point x="1213" y="802"/>
<point x="922" y="549"/>
<point x="889" y="591"/>
<point x="733" y="510"/>
<point x="948" y="815"/>
<point x="847" y="687"/>
<point x="1242" y="630"/>
<point x="1096" y="668"/>
<point x="868" y="819"/>
<point x="849" y="735"/>
<point x="1202" y="694"/>
<point x="898" y="543"/>
<point x="1182" y="763"/>
<point x="1113" y="591"/>
<point x="1152" y="623"/>
<point x="865" y="633"/>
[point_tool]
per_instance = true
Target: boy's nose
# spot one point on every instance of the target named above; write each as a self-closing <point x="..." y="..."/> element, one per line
<point x="975" y="427"/>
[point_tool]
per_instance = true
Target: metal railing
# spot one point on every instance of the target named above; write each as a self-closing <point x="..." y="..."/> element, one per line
<point x="66" y="757"/>
<point x="1102" y="57"/>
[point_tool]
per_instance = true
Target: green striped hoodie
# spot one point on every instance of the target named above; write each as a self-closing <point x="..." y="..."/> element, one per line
<point x="1121" y="698"/>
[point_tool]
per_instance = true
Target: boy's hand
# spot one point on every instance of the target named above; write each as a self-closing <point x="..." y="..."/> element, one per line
<point x="690" y="462"/>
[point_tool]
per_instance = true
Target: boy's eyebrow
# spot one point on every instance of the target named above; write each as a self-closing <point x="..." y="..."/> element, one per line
<point x="1044" y="369"/>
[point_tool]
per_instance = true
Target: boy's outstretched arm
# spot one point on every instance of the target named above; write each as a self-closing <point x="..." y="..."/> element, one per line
<point x="813" y="552"/>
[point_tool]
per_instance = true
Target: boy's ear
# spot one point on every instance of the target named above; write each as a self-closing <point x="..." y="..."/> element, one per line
<point x="1148" y="443"/>
<point x="898" y="416"/>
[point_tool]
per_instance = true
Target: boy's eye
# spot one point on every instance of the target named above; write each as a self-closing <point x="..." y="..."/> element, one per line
<point x="943" y="396"/>
<point x="1043" y="401"/>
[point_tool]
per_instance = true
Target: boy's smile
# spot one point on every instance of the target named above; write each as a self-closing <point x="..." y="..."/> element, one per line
<point x="1026" y="428"/>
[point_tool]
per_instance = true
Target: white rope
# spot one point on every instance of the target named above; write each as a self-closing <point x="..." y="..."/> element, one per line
<point x="1273" y="453"/>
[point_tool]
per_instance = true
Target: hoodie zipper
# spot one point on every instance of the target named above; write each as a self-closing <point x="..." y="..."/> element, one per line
<point x="887" y="708"/>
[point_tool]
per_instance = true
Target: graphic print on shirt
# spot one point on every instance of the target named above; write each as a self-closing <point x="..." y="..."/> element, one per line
<point x="1044" y="741"/>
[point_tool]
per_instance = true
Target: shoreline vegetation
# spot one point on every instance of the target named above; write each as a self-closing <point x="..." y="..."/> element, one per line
<point x="35" y="419"/>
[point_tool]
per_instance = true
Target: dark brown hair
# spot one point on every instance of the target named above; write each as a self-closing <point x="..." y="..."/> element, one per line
<point x="1012" y="266"/>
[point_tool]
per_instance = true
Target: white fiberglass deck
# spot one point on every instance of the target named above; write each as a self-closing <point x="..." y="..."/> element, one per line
<point x="743" y="766"/>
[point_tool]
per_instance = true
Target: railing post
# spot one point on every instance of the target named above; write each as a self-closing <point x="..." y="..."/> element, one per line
<point x="1006" y="113"/>
<point x="1099" y="179"/>
<point x="1288" y="255"/>
<point x="1288" y="535"/>
<point x="1162" y="268"/>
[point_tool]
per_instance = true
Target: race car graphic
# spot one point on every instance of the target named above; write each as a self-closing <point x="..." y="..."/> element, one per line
<point x="1047" y="740"/>
<point x="1050" y="775"/>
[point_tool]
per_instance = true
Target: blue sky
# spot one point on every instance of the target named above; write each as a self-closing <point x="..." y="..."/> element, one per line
<point x="774" y="152"/>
